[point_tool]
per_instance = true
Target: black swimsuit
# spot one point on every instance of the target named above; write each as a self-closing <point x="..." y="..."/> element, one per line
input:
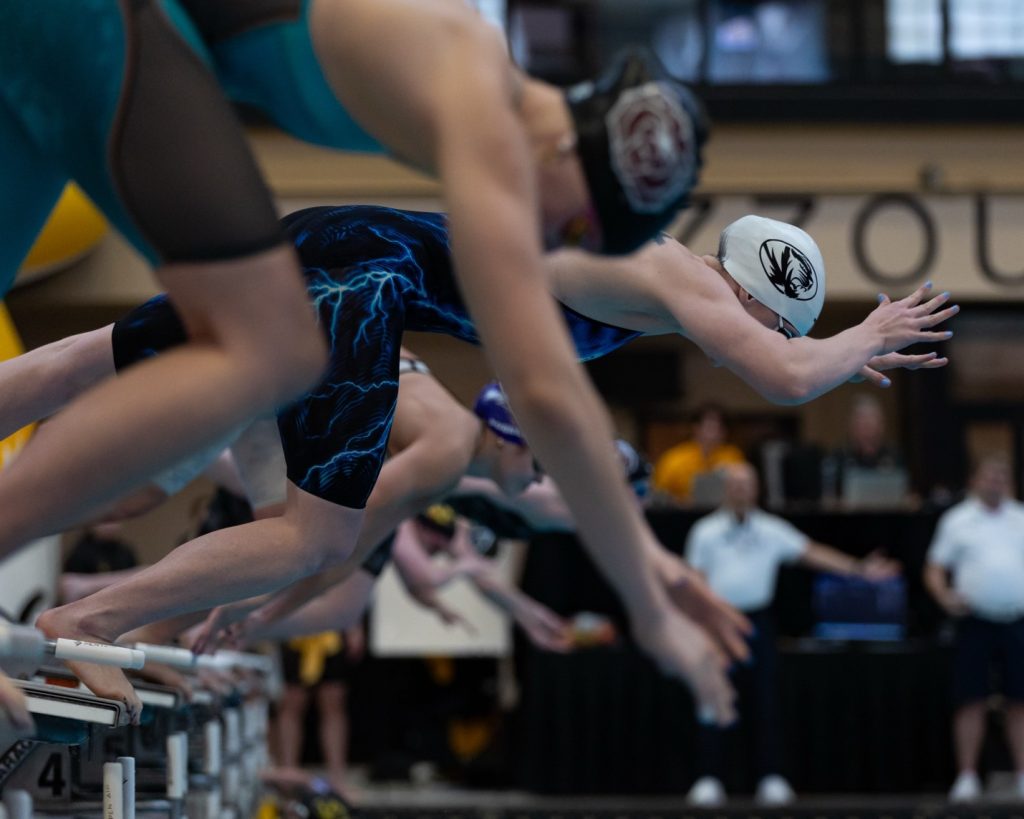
<point x="372" y="273"/>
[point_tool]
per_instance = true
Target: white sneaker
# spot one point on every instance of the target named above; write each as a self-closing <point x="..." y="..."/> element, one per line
<point x="967" y="788"/>
<point x="707" y="792"/>
<point x="774" y="790"/>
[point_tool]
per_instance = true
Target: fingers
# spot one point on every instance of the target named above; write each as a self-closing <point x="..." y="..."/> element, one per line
<point x="716" y="699"/>
<point x="872" y="376"/>
<point x="933" y="319"/>
<point x="740" y="620"/>
<point x="935" y="336"/>
<point x="918" y="295"/>
<point x="734" y="645"/>
<point x="932" y="304"/>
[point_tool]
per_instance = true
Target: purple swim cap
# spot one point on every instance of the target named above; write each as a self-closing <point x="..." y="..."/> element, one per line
<point x="492" y="408"/>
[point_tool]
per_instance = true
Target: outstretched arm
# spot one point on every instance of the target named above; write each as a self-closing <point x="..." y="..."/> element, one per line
<point x="824" y="558"/>
<point x="38" y="383"/>
<point x="667" y="289"/>
<point x="338" y="608"/>
<point x="541" y="505"/>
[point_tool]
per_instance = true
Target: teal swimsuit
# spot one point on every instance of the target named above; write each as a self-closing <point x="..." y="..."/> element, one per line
<point x="119" y="96"/>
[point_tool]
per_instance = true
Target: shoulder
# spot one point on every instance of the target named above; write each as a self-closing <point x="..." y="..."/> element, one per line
<point x="767" y="522"/>
<point x="729" y="454"/>
<point x="709" y="525"/>
<point x="959" y="514"/>
<point x="679" y="453"/>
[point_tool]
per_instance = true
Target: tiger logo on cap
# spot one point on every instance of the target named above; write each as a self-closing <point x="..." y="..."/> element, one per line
<point x="789" y="270"/>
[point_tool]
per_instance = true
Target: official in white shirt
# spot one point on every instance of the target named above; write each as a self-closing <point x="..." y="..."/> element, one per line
<point x="980" y="543"/>
<point x="739" y="548"/>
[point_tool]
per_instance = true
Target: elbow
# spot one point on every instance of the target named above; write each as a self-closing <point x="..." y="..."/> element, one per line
<point x="791" y="386"/>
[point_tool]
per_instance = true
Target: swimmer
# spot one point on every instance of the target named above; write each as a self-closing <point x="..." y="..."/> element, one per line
<point x="522" y="165"/>
<point x="375" y="272"/>
<point x="86" y="96"/>
<point x="437" y="530"/>
<point x="85" y="82"/>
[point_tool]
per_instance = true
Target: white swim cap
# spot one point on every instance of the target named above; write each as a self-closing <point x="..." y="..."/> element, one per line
<point x="779" y="265"/>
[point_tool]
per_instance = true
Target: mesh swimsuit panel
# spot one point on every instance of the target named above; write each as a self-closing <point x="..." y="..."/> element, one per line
<point x="116" y="96"/>
<point x="372" y="273"/>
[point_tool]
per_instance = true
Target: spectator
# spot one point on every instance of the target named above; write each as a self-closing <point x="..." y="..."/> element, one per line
<point x="739" y="548"/>
<point x="320" y="665"/>
<point x="980" y="541"/>
<point x="866" y="451"/>
<point x="679" y="467"/>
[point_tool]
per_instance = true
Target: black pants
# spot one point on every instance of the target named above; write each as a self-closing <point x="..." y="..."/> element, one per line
<point x="758" y="700"/>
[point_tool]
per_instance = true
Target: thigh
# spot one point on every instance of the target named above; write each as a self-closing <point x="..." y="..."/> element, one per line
<point x="114" y="95"/>
<point x="335" y="439"/>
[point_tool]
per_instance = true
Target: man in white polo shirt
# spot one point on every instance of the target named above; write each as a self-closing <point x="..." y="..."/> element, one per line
<point x="740" y="548"/>
<point x="980" y="541"/>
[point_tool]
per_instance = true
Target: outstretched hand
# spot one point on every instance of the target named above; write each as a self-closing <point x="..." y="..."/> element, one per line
<point x="691" y="594"/>
<point x="545" y="629"/>
<point x="681" y="649"/>
<point x="872" y="371"/>
<point x="215" y="631"/>
<point x="911" y="320"/>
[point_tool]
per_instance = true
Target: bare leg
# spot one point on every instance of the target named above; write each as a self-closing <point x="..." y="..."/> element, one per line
<point x="291" y="715"/>
<point x="254" y="344"/>
<point x="332" y="704"/>
<point x="223" y="566"/>
<point x="73" y="586"/>
<point x="968" y="733"/>
<point x="40" y="382"/>
<point x="1015" y="733"/>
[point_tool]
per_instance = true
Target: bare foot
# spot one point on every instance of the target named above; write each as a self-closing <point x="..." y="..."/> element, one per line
<point x="104" y="681"/>
<point x="165" y="675"/>
<point x="286" y="777"/>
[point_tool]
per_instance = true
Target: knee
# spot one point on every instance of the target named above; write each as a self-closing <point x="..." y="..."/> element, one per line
<point x="284" y="373"/>
<point x="294" y="699"/>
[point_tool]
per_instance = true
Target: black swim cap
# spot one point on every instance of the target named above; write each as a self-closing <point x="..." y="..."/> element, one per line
<point x="639" y="135"/>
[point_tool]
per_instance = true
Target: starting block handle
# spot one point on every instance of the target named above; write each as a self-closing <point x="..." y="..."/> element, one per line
<point x="168" y="655"/>
<point x="99" y="653"/>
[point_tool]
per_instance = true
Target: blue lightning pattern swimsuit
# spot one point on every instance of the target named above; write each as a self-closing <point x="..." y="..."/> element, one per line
<point x="372" y="273"/>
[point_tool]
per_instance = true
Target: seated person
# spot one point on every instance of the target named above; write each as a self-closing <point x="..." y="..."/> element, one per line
<point x="866" y="449"/>
<point x="677" y="470"/>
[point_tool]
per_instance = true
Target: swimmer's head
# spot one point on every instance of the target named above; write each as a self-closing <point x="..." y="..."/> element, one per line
<point x="510" y="463"/>
<point x="639" y="134"/>
<point x="436" y="526"/>
<point x="778" y="266"/>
